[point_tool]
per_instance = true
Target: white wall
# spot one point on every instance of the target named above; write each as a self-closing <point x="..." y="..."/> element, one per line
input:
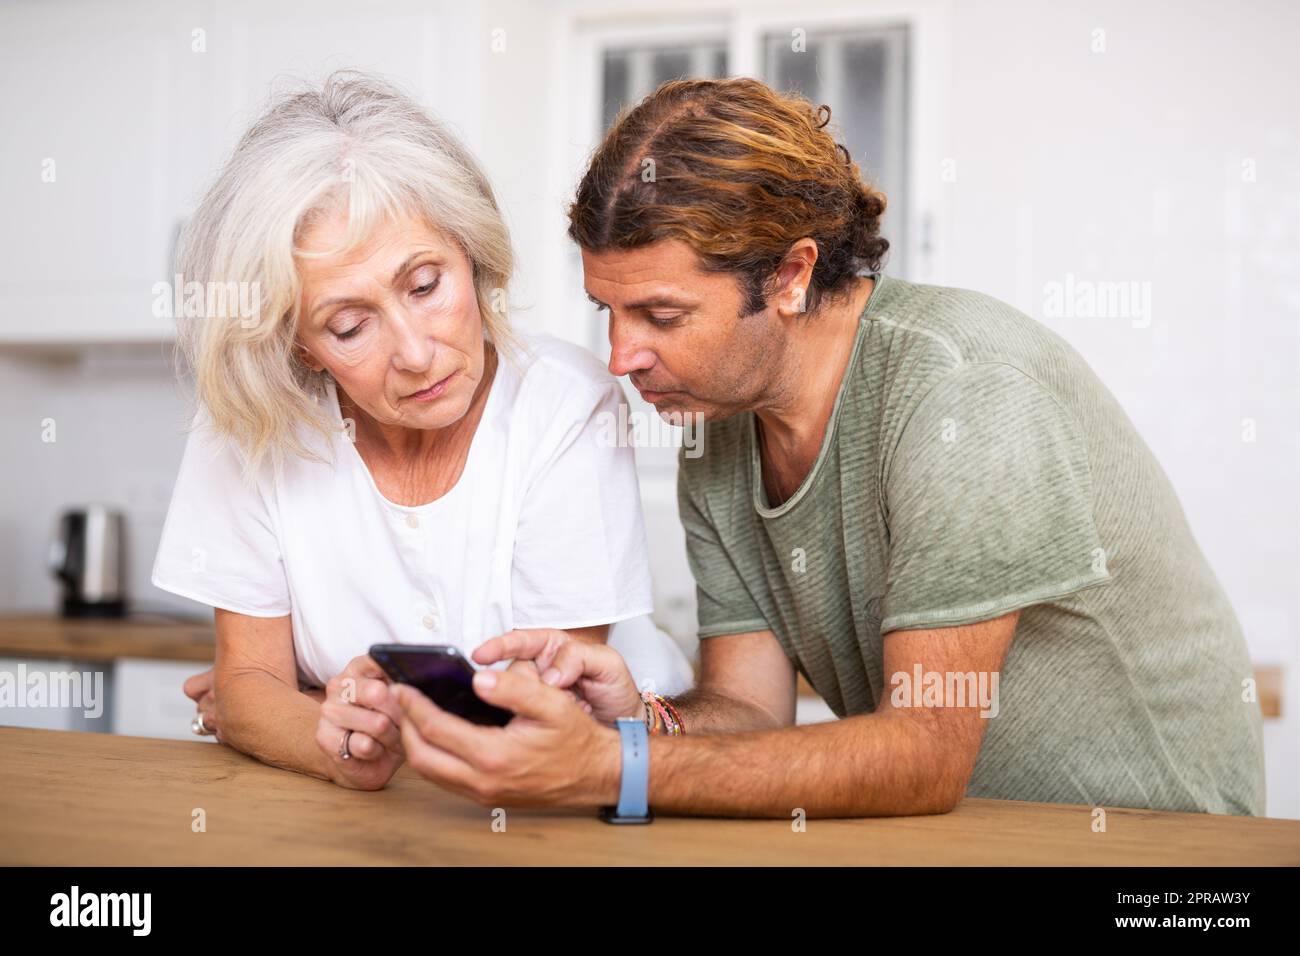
<point x="1137" y="164"/>
<point x="1033" y="157"/>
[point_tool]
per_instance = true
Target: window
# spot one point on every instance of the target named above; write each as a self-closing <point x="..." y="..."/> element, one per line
<point x="629" y="75"/>
<point x="861" y="75"/>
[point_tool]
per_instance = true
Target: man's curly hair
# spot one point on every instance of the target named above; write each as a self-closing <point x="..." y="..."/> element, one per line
<point x="738" y="172"/>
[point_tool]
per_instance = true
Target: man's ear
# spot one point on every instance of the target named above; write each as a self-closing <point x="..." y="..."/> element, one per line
<point x="794" y="277"/>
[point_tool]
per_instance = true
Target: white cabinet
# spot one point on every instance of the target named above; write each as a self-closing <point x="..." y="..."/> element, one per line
<point x="100" y="114"/>
<point x="118" y="115"/>
<point x="148" y="700"/>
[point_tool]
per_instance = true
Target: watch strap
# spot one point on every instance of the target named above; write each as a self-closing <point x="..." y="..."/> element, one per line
<point x="634" y="785"/>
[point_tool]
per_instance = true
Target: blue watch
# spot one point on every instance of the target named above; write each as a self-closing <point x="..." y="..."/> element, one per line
<point x="634" y="788"/>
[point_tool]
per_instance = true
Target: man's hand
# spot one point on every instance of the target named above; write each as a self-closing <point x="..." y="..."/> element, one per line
<point x="595" y="672"/>
<point x="551" y="754"/>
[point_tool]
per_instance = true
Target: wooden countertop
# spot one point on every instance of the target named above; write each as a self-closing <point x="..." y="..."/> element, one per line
<point x="89" y="799"/>
<point x="152" y="637"/>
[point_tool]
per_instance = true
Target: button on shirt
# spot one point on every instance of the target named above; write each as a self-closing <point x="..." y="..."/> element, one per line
<point x="542" y="529"/>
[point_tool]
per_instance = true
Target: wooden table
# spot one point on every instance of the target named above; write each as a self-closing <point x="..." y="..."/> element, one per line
<point x="144" y="636"/>
<point x="86" y="799"/>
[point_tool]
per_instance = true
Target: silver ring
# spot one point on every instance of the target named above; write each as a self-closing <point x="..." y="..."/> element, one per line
<point x="197" y="726"/>
<point x="343" y="747"/>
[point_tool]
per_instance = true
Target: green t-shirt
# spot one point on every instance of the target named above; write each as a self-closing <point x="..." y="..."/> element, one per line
<point x="974" y="464"/>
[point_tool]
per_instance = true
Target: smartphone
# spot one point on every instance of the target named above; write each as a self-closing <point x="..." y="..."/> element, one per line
<point x="441" y="673"/>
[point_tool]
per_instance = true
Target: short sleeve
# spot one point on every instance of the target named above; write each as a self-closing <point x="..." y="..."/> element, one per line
<point x="219" y="545"/>
<point x="724" y="602"/>
<point x="989" y="503"/>
<point x="580" y="545"/>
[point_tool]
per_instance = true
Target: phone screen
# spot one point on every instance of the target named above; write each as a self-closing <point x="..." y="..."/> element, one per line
<point x="443" y="675"/>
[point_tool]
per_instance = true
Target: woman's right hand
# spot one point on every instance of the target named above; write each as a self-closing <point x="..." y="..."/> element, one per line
<point x="596" y="673"/>
<point x="357" y="700"/>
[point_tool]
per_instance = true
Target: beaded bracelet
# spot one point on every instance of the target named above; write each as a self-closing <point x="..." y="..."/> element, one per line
<point x="651" y="715"/>
<point x="677" y="717"/>
<point x="662" y="716"/>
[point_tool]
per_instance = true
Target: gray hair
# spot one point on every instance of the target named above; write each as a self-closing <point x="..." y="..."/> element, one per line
<point x="357" y="144"/>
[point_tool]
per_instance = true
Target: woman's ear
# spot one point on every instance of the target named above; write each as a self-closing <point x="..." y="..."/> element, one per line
<point x="306" y="358"/>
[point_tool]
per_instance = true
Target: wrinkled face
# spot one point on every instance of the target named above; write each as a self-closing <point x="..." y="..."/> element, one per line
<point x="676" y="330"/>
<point x="395" y="321"/>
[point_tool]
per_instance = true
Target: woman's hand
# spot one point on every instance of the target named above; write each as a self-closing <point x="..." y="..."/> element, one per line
<point x="358" y="700"/>
<point x="202" y="689"/>
<point x="596" y="673"/>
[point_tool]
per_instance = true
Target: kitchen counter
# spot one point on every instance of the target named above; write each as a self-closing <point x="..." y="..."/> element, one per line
<point x="88" y="799"/>
<point x="147" y="637"/>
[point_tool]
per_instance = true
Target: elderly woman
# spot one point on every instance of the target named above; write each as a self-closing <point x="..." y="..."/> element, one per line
<point x="375" y="457"/>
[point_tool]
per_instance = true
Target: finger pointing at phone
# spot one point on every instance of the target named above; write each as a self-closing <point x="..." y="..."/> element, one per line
<point x="596" y="672"/>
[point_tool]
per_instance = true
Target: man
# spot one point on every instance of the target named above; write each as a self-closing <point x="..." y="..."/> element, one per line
<point x="917" y="497"/>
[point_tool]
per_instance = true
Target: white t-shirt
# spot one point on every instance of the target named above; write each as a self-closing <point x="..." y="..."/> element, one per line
<point x="543" y="528"/>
